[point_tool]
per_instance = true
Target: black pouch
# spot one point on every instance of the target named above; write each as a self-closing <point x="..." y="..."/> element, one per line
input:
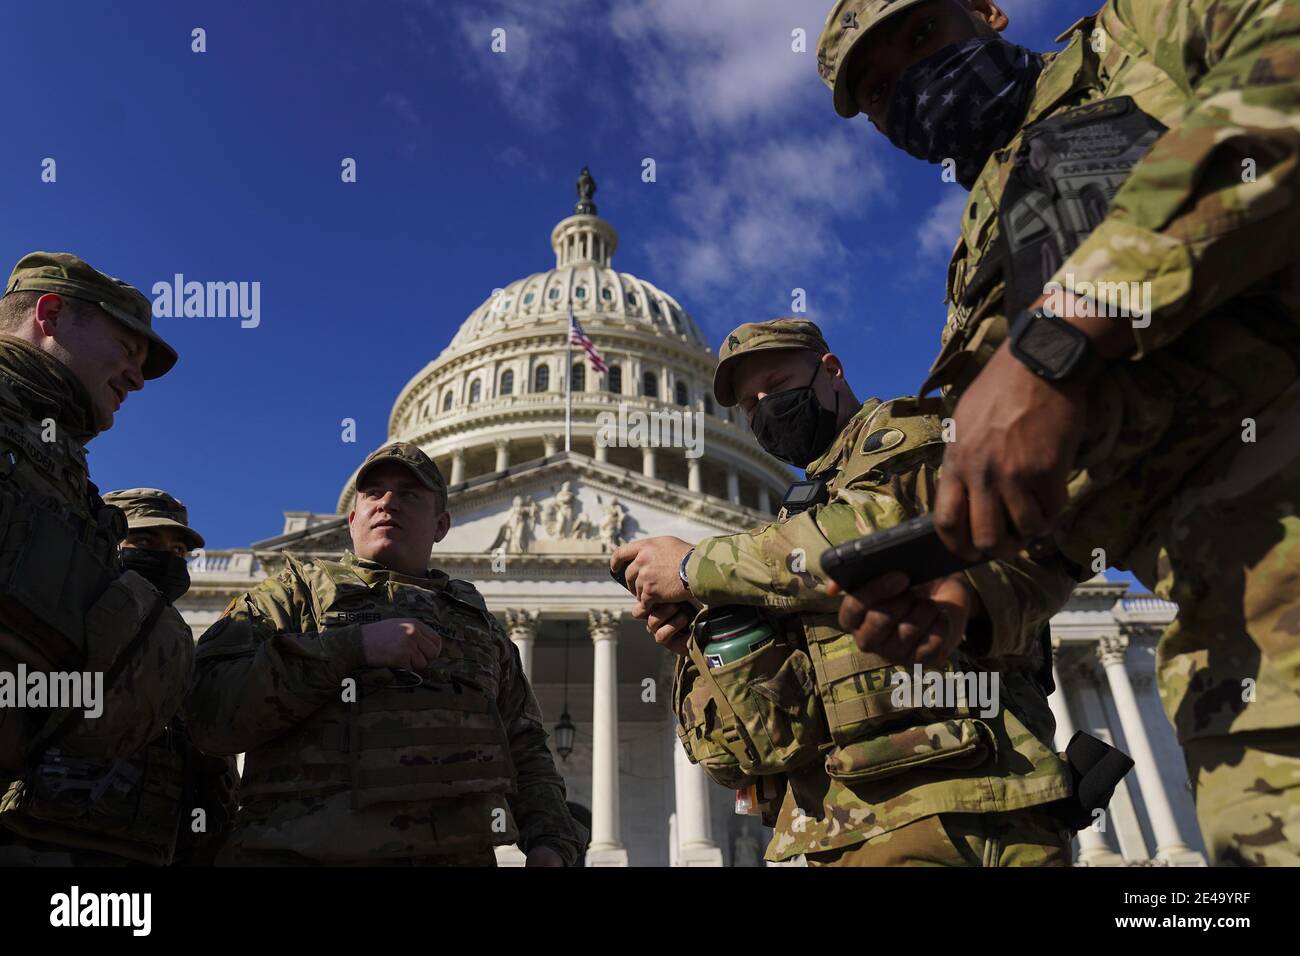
<point x="1096" y="768"/>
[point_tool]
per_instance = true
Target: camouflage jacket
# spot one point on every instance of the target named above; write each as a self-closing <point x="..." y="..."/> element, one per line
<point x="881" y="470"/>
<point x="274" y="664"/>
<point x="1206" y="222"/>
<point x="88" y="615"/>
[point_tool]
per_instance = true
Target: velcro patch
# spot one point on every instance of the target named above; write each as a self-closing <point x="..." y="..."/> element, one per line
<point x="882" y="439"/>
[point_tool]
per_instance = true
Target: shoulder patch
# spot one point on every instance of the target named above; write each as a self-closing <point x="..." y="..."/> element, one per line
<point x="882" y="439"/>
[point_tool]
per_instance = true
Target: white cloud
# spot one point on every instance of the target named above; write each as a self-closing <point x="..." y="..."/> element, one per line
<point x="756" y="222"/>
<point x="937" y="234"/>
<point x="721" y="62"/>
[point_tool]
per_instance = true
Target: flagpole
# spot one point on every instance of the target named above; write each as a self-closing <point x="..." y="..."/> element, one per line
<point x="568" y="384"/>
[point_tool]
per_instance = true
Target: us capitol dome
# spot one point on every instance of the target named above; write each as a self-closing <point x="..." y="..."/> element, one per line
<point x="495" y="395"/>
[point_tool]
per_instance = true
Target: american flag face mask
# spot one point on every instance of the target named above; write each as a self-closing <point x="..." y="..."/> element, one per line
<point x="963" y="102"/>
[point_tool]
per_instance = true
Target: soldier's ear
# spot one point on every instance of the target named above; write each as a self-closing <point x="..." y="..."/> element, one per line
<point x="49" y="309"/>
<point x="444" y="525"/>
<point x="988" y="14"/>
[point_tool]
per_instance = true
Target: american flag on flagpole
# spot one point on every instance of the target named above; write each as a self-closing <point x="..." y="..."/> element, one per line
<point x="579" y="337"/>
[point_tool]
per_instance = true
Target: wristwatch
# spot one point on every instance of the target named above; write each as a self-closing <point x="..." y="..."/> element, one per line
<point x="1052" y="348"/>
<point x="681" y="570"/>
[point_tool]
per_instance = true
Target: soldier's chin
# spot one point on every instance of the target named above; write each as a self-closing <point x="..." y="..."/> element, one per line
<point x="103" y="417"/>
<point x="382" y="543"/>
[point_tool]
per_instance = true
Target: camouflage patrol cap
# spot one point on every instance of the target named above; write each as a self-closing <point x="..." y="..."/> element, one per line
<point x="154" y="508"/>
<point x="849" y="21"/>
<point x="66" y="274"/>
<point x="759" y="337"/>
<point x="414" y="458"/>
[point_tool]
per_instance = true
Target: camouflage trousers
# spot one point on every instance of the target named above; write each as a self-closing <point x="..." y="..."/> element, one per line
<point x="1248" y="796"/>
<point x="1031" y="837"/>
<point x="1229" y="665"/>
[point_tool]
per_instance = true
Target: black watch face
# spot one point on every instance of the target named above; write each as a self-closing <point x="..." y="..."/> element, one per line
<point x="1053" y="348"/>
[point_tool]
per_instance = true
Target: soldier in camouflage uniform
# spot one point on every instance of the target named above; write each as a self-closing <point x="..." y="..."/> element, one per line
<point x="158" y="540"/>
<point x="871" y="780"/>
<point x="1162" y="440"/>
<point x="383" y="713"/>
<point x="73" y="343"/>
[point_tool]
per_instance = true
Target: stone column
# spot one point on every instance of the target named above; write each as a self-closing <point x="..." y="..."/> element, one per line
<point x="693" y="480"/>
<point x="522" y="628"/>
<point x="606" y="840"/>
<point x="733" y="486"/>
<point x="457" y="467"/>
<point x="1093" y="849"/>
<point x="1170" y="847"/>
<point x="502" y="446"/>
<point x="764" y="499"/>
<point x="648" y="462"/>
<point x="695" y="846"/>
<point x="550" y="445"/>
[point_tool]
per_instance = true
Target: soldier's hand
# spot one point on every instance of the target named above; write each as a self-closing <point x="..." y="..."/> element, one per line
<point x="919" y="625"/>
<point x="1004" y="475"/>
<point x="650" y="567"/>
<point x="400" y="642"/>
<point x="667" y="623"/>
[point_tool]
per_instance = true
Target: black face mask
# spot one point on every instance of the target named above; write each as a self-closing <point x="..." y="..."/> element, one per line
<point x="793" y="426"/>
<point x="166" y="571"/>
<point x="963" y="103"/>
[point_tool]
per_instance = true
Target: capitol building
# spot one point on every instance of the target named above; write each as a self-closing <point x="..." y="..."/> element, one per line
<point x="534" y="522"/>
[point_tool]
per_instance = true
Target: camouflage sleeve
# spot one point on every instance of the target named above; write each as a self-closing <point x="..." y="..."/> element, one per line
<point x="538" y="805"/>
<point x="256" y="673"/>
<point x="1019" y="597"/>
<point x="779" y="565"/>
<point x="1189" y="209"/>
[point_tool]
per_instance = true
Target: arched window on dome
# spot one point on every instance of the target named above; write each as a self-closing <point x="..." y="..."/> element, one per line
<point x="580" y="292"/>
<point x="631" y="300"/>
<point x="446" y="401"/>
<point x="677" y="319"/>
<point x="653" y="306"/>
<point x="607" y="294"/>
<point x="541" y="378"/>
<point x="507" y="382"/>
<point x="682" y="397"/>
<point x="650" y="385"/>
<point x="528" y="299"/>
<point x="616" y="379"/>
<point x="553" y="294"/>
<point x="578" y="377"/>
<point x="475" y="391"/>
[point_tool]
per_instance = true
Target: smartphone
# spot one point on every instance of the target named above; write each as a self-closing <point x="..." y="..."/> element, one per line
<point x="912" y="547"/>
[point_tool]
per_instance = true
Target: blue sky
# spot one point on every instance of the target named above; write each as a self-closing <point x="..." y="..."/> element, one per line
<point x="225" y="166"/>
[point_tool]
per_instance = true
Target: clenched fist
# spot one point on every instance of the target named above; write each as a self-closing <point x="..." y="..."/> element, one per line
<point x="400" y="642"/>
